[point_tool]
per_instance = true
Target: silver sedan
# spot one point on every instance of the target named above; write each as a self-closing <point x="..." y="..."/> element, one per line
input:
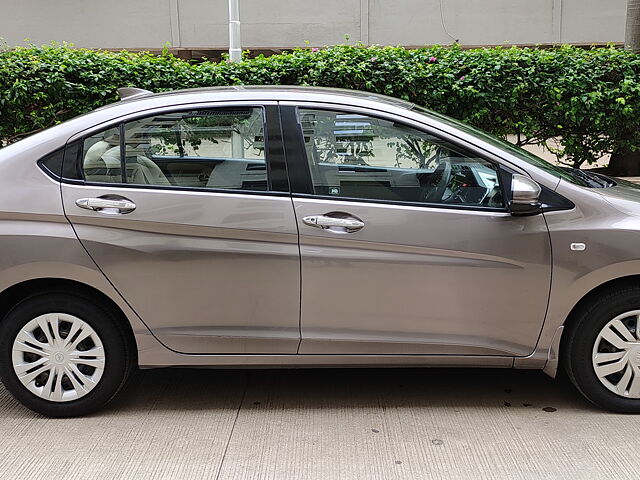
<point x="280" y="227"/>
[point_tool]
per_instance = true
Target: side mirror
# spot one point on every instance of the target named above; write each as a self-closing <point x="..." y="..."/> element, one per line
<point x="525" y="196"/>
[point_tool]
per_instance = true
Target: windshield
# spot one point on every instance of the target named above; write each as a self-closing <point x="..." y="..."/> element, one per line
<point x="573" y="175"/>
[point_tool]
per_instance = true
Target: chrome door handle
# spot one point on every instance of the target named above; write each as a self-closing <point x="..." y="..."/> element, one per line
<point x="325" y="222"/>
<point x="106" y="205"/>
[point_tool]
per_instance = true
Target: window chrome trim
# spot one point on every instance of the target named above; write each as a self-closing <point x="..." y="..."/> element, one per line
<point x="176" y="188"/>
<point x="394" y="203"/>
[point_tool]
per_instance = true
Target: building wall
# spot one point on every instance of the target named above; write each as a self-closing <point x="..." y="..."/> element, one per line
<point x="202" y="24"/>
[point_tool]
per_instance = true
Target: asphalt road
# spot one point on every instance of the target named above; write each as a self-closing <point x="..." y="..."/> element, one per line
<point x="326" y="424"/>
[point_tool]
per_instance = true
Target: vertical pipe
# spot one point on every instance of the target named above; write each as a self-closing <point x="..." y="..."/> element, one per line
<point x="237" y="145"/>
<point x="235" y="50"/>
<point x="174" y="13"/>
<point x="556" y="20"/>
<point x="364" y="21"/>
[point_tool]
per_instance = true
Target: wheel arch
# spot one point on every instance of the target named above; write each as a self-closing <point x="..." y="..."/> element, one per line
<point x="13" y="295"/>
<point x="608" y="286"/>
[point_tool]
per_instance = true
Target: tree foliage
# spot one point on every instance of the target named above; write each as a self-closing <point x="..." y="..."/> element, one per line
<point x="578" y="103"/>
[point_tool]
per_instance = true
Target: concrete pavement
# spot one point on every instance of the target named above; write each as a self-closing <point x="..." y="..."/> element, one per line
<point x="326" y="424"/>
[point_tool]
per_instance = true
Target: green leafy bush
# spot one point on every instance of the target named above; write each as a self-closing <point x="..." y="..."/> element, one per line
<point x="580" y="104"/>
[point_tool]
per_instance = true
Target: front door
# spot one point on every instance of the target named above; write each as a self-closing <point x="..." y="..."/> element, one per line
<point x="406" y="244"/>
<point x="187" y="213"/>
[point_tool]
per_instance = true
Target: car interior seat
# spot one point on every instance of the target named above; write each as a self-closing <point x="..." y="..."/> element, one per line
<point x="102" y="161"/>
<point x="143" y="171"/>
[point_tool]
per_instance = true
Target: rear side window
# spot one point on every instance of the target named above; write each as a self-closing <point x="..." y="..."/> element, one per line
<point x="220" y="148"/>
<point x="52" y="163"/>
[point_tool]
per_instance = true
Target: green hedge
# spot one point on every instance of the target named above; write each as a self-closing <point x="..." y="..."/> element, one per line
<point x="590" y="99"/>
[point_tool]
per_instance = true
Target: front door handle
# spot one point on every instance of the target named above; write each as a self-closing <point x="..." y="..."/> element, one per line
<point x="330" y="223"/>
<point x="106" y="205"/>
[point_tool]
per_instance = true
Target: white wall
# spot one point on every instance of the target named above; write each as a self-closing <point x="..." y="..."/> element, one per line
<point x="202" y="24"/>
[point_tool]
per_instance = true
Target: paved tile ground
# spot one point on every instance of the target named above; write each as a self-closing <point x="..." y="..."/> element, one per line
<point x="326" y="424"/>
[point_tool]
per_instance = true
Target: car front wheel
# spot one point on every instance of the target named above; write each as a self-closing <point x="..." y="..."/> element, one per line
<point x="602" y="354"/>
<point x="63" y="355"/>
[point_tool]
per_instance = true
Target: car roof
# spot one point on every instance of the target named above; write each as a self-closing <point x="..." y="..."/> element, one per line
<point x="277" y="92"/>
<point x="57" y="136"/>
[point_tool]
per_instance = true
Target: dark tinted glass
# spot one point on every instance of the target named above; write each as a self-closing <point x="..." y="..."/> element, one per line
<point x="52" y="163"/>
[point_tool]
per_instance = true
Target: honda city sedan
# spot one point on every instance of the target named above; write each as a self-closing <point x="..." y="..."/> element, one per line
<point x="304" y="227"/>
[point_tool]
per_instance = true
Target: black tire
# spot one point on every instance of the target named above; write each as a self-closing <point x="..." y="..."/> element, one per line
<point x="119" y="354"/>
<point x="579" y="343"/>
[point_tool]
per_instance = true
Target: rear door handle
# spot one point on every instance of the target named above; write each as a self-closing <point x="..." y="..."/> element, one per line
<point x="327" y="223"/>
<point x="106" y="205"/>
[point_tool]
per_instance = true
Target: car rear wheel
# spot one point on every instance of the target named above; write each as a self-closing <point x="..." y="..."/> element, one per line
<point x="63" y="355"/>
<point x="602" y="354"/>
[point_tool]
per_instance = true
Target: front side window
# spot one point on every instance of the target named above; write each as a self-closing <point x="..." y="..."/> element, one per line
<point x="219" y="148"/>
<point x="358" y="156"/>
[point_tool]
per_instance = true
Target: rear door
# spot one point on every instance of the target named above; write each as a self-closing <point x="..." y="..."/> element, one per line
<point x="406" y="244"/>
<point x="187" y="212"/>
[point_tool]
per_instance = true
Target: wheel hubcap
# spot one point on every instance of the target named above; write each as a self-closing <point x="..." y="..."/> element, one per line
<point x="616" y="355"/>
<point x="58" y="357"/>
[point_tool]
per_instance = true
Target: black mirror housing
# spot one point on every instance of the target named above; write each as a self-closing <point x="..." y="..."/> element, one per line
<point x="522" y="210"/>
